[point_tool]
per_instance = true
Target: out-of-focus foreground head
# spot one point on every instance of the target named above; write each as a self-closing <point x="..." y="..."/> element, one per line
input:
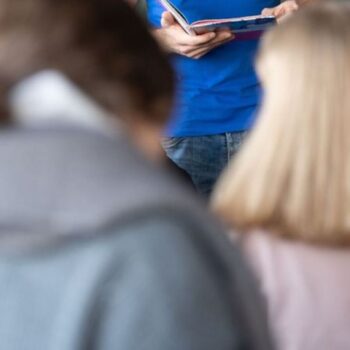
<point x="293" y="175"/>
<point x="101" y="45"/>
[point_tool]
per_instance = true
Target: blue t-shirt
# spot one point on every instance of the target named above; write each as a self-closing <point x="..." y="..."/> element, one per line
<point x="219" y="92"/>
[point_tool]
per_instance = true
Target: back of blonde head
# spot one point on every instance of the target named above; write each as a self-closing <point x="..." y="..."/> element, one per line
<point x="293" y="175"/>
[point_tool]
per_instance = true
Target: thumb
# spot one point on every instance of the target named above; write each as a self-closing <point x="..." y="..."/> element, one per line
<point x="267" y="12"/>
<point x="167" y="19"/>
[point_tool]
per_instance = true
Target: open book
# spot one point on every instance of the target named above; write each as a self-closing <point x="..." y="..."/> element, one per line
<point x="250" y="27"/>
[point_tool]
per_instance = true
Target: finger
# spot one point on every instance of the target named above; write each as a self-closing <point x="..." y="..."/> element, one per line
<point x="197" y="57"/>
<point x="267" y="12"/>
<point x="222" y="42"/>
<point x="218" y="38"/>
<point x="286" y="13"/>
<point x="286" y="8"/>
<point x="292" y="4"/>
<point x="200" y="52"/>
<point x="223" y="36"/>
<point x="290" y="9"/>
<point x="186" y="40"/>
<point x="215" y="45"/>
<point x="167" y="20"/>
<point x="225" y="30"/>
<point x="191" y="50"/>
<point x="197" y="40"/>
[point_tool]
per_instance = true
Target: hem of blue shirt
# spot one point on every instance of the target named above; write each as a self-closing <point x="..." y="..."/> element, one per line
<point x="213" y="131"/>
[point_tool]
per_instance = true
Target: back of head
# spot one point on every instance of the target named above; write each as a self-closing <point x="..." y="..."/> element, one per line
<point x="293" y="175"/>
<point x="99" y="44"/>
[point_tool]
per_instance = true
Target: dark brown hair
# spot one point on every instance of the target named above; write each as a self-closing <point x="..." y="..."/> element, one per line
<point x="101" y="45"/>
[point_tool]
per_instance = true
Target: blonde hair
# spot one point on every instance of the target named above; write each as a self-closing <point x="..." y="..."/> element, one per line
<point x="293" y="174"/>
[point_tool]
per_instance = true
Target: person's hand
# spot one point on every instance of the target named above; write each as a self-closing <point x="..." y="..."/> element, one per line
<point x="282" y="10"/>
<point x="176" y="40"/>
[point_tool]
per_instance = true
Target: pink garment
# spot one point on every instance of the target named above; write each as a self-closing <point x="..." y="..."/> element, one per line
<point x="307" y="290"/>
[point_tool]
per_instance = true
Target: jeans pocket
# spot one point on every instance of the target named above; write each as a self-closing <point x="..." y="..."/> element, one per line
<point x="171" y="142"/>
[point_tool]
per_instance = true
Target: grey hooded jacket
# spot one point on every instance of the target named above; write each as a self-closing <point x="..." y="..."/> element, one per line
<point x="100" y="249"/>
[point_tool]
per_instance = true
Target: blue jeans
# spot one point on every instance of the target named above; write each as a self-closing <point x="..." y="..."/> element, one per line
<point x="203" y="157"/>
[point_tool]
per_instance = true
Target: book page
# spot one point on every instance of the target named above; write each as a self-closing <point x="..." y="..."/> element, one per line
<point x="178" y="15"/>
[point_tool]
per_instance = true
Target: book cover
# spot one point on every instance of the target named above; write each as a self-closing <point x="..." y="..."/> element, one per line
<point x="245" y="28"/>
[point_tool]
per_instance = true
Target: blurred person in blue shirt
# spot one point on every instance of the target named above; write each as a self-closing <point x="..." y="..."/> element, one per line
<point x="218" y="91"/>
